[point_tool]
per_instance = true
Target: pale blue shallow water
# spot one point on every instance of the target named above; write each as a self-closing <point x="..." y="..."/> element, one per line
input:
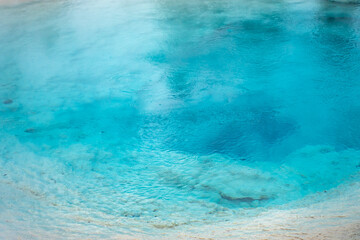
<point x="125" y="116"/>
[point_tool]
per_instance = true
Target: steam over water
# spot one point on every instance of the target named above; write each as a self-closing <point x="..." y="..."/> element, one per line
<point x="122" y="117"/>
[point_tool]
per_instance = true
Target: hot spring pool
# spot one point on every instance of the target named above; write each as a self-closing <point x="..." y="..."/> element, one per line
<point x="120" y="118"/>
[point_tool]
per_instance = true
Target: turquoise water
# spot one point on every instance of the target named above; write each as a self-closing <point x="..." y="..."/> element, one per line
<point x="120" y="117"/>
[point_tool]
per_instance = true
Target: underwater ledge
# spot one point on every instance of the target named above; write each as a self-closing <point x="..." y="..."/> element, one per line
<point x="332" y="214"/>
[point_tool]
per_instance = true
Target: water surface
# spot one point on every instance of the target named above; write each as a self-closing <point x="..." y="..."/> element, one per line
<point x="125" y="117"/>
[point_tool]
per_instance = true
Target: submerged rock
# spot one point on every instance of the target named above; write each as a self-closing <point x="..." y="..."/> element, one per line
<point x="30" y="130"/>
<point x="243" y="199"/>
<point x="8" y="101"/>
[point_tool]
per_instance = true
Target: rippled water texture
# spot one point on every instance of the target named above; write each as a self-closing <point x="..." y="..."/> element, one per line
<point x="118" y="117"/>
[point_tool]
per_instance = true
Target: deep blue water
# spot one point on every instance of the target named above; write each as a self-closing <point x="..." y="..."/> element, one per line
<point x="163" y="113"/>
